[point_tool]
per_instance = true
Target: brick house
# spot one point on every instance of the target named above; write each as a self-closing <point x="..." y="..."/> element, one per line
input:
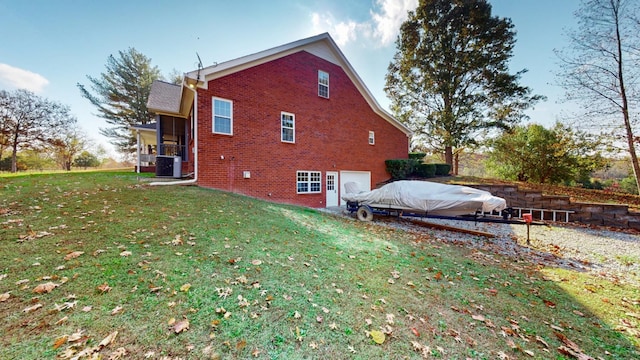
<point x="290" y="124"/>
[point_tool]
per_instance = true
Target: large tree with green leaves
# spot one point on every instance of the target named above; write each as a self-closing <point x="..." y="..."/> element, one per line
<point x="120" y="94"/>
<point x="69" y="144"/>
<point x="449" y="80"/>
<point x="29" y="121"/>
<point x="600" y="69"/>
<point x="534" y="153"/>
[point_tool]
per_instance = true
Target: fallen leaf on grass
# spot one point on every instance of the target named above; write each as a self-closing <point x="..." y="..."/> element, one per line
<point x="73" y="255"/>
<point x="180" y="326"/>
<point x="104" y="288"/>
<point x="45" y="288"/>
<point x="256" y="262"/>
<point x="108" y="340"/>
<point x="32" y="308"/>
<point x="478" y="317"/>
<point x="377" y="336"/>
<point x="62" y="321"/>
<point x="60" y="341"/>
<point x="571" y="348"/>
<point x="125" y="253"/>
<point x="185" y="287"/>
<point x="241" y="344"/>
<point x="76" y="336"/>
<point x="4" y="297"/>
<point x="117" y="310"/>
<point x="541" y="341"/>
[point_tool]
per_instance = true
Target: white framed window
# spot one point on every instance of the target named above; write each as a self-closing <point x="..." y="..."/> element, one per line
<point x="308" y="182"/>
<point x="372" y="138"/>
<point x="288" y="127"/>
<point x="323" y="84"/>
<point x="222" y="116"/>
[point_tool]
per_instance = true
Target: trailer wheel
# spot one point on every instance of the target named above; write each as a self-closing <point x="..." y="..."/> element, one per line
<point x="364" y="213"/>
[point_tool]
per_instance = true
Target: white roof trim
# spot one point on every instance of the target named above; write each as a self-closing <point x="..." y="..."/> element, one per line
<point x="321" y="45"/>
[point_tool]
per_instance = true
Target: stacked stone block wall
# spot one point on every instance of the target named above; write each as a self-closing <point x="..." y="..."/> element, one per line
<point x="614" y="215"/>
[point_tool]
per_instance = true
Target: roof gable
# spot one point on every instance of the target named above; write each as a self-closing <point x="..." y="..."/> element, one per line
<point x="169" y="99"/>
<point x="321" y="46"/>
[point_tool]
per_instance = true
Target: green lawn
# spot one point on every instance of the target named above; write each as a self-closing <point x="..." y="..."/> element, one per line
<point x="191" y="273"/>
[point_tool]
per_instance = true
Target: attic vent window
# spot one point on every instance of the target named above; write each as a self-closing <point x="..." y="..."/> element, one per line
<point x="323" y="84"/>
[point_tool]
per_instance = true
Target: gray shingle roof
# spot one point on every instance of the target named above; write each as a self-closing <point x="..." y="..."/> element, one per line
<point x="164" y="97"/>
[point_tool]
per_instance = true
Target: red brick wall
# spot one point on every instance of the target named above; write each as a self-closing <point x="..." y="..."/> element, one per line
<point x="330" y="134"/>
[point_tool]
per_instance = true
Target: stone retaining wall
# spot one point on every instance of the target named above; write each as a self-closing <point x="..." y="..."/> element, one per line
<point x="588" y="213"/>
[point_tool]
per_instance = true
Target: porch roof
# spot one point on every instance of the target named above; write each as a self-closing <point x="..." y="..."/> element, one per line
<point x="147" y="132"/>
<point x="169" y="99"/>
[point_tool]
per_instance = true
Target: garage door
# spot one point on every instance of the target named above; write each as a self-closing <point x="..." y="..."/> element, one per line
<point x="363" y="178"/>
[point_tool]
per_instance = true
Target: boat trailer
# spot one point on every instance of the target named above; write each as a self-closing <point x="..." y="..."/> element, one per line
<point x="365" y="212"/>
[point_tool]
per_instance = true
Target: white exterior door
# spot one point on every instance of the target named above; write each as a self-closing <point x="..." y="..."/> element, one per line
<point x="332" y="188"/>
<point x="363" y="178"/>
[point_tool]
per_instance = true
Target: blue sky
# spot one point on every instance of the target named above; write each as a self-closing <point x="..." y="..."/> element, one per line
<point x="50" y="46"/>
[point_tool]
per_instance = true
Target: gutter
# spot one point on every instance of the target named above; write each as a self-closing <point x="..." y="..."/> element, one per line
<point x="195" y="146"/>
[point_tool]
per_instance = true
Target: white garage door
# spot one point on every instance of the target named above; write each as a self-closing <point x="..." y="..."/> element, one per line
<point x="363" y="178"/>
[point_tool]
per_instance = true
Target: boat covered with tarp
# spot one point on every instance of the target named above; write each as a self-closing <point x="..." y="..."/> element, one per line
<point x="423" y="197"/>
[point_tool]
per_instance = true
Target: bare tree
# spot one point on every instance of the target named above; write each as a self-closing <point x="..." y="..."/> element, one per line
<point x="30" y="121"/>
<point x="600" y="68"/>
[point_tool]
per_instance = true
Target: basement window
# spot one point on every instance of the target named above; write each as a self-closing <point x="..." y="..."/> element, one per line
<point x="308" y="182"/>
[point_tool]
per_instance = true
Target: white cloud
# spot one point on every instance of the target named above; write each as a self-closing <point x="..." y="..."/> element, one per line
<point x="342" y="32"/>
<point x="392" y="14"/>
<point x="17" y="78"/>
<point x="383" y="26"/>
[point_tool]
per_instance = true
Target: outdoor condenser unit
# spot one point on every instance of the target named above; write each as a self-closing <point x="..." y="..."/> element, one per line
<point x="168" y="166"/>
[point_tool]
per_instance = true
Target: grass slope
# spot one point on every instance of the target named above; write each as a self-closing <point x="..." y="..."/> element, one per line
<point x="191" y="273"/>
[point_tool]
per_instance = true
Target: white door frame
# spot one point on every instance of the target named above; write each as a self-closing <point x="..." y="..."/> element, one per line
<point x="331" y="188"/>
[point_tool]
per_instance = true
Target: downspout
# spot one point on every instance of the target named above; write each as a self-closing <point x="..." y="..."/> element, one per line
<point x="195" y="147"/>
<point x="138" y="149"/>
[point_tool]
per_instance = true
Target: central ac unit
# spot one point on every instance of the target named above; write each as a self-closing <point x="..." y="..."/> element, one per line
<point x="168" y="166"/>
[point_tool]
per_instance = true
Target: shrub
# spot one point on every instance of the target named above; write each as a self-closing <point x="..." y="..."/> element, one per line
<point x="426" y="170"/>
<point x="442" y="169"/>
<point x="417" y="156"/>
<point x="401" y="168"/>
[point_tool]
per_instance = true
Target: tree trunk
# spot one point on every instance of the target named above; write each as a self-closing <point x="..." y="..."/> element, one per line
<point x="14" y="159"/>
<point x="625" y="109"/>
<point x="456" y="163"/>
<point x="448" y="155"/>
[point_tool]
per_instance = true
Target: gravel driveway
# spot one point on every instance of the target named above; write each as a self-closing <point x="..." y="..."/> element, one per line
<point x="568" y="245"/>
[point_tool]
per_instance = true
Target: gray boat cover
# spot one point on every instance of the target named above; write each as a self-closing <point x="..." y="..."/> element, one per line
<point x="426" y="196"/>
